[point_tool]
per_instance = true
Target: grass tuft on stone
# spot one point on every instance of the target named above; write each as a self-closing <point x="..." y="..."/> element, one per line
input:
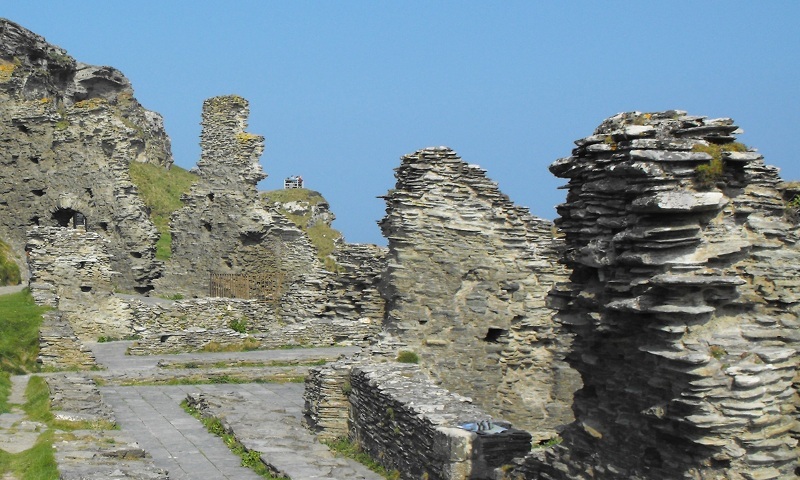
<point x="161" y="189"/>
<point x="250" y="458"/>
<point x="347" y="448"/>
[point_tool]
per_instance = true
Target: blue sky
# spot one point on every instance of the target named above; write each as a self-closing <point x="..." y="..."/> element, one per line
<point x="341" y="90"/>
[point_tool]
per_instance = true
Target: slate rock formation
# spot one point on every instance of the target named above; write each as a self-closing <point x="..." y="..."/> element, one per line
<point x="466" y="282"/>
<point x="683" y="298"/>
<point x="69" y="132"/>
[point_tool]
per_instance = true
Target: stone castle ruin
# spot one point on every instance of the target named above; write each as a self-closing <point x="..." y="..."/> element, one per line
<point x="652" y="329"/>
<point x="467" y="278"/>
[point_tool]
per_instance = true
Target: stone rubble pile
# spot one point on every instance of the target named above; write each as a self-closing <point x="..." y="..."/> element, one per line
<point x="466" y="282"/>
<point x="683" y="299"/>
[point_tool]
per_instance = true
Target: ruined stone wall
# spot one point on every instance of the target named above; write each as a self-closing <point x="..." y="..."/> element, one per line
<point x="465" y="286"/>
<point x="191" y="325"/>
<point x="71" y="272"/>
<point x="69" y="132"/>
<point x="405" y="422"/>
<point x="355" y="288"/>
<point x="684" y="301"/>
<point x="225" y="227"/>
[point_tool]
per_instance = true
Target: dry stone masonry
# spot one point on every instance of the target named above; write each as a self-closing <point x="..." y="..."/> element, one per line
<point x="465" y="286"/>
<point x="69" y="133"/>
<point x="684" y="301"/>
<point x="393" y="412"/>
<point x="71" y="272"/>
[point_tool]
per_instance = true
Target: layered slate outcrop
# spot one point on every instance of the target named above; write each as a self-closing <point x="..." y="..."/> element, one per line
<point x="683" y="298"/>
<point x="69" y="133"/>
<point x="466" y="282"/>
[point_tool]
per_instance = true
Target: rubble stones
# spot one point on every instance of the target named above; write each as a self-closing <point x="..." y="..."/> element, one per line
<point x="465" y="285"/>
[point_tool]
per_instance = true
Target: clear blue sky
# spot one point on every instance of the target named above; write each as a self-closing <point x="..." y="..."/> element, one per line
<point x="342" y="89"/>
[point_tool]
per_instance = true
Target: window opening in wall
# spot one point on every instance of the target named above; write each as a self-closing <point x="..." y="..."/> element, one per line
<point x="494" y="334"/>
<point x="67" y="217"/>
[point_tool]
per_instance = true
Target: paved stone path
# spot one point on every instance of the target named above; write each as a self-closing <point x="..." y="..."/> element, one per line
<point x="18" y="434"/>
<point x="265" y="417"/>
<point x="177" y="442"/>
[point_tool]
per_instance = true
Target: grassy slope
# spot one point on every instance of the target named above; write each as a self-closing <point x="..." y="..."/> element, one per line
<point x="321" y="235"/>
<point x="20" y="318"/>
<point x="9" y="271"/>
<point x="161" y="191"/>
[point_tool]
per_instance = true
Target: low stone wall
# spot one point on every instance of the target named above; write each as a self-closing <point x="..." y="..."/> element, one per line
<point x="406" y="423"/>
<point x="183" y="326"/>
<point x="59" y="348"/>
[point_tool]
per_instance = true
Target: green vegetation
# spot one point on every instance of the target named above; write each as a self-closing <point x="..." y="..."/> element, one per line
<point x="246" y="345"/>
<point x="322" y="236"/>
<point x="250" y="458"/>
<point x="238" y="325"/>
<point x="405" y="356"/>
<point x="717" y="352"/>
<point x="161" y="191"/>
<point x="346" y="448"/>
<point x="215" y="380"/>
<point x="709" y="174"/>
<point x="9" y="271"/>
<point x="19" y="332"/>
<point x="36" y="463"/>
<point x="5" y="391"/>
<point x="246" y="364"/>
<point x="793" y="201"/>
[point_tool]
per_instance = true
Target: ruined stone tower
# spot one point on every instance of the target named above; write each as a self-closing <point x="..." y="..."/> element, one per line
<point x="467" y="277"/>
<point x="224" y="226"/>
<point x="684" y="301"/>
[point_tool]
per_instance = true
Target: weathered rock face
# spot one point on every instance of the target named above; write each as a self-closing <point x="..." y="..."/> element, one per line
<point x="225" y="227"/>
<point x="684" y="301"/>
<point x="466" y="281"/>
<point x="69" y="132"/>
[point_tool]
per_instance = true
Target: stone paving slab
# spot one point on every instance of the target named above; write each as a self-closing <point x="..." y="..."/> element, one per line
<point x="177" y="442"/>
<point x="267" y="419"/>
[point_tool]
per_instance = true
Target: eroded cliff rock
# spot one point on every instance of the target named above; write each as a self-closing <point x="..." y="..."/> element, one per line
<point x="69" y="132"/>
<point x="467" y="276"/>
<point x="684" y="301"/>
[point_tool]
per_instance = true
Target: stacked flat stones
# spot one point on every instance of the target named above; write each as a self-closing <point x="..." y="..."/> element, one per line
<point x="684" y="301"/>
<point x="466" y="282"/>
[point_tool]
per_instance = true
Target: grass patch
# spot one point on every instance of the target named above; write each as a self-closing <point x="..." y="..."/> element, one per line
<point x="321" y="235"/>
<point x="36" y="463"/>
<point x="707" y="175"/>
<point x="346" y="448"/>
<point x="250" y="458"/>
<point x="161" y="190"/>
<point x="19" y="332"/>
<point x="204" y="379"/>
<point x="5" y="391"/>
<point x="247" y="364"/>
<point x="9" y="271"/>
<point x="405" y="356"/>
<point x="249" y="344"/>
